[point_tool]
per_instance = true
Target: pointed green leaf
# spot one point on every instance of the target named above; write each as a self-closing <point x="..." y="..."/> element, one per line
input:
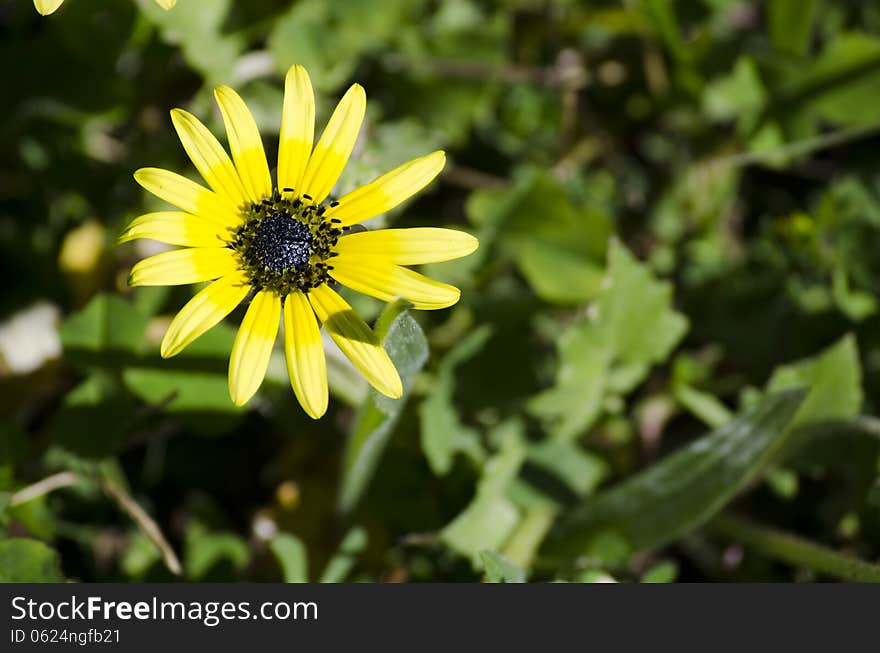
<point x="406" y="345"/>
<point x="834" y="379"/>
<point x="682" y="491"/>
<point x="501" y="570"/>
<point x="291" y="554"/>
<point x="28" y="561"/>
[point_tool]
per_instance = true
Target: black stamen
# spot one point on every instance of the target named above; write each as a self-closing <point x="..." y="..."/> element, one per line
<point x="282" y="242"/>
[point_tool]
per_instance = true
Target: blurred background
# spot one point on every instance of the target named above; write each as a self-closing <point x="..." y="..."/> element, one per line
<point x="678" y="204"/>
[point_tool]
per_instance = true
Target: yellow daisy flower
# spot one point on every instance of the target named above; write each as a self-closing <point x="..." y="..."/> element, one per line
<point x="46" y="7"/>
<point x="285" y="246"/>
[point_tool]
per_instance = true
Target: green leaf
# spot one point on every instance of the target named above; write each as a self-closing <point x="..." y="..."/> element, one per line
<point x="330" y="38"/>
<point x="501" y="570"/>
<point x="106" y="333"/>
<point x="206" y="549"/>
<point x="558" y="275"/>
<point x="490" y="517"/>
<point x="740" y="95"/>
<point x="856" y="304"/>
<point x="683" y="490"/>
<point x="523" y="544"/>
<point x="631" y="326"/>
<point x="580" y="470"/>
<point x="661" y="16"/>
<point x="840" y="86"/>
<point x="442" y="432"/>
<point x="28" y="561"/>
<point x="791" y="24"/>
<point x="561" y="254"/>
<point x="196" y="27"/>
<point x="662" y="572"/>
<point x="192" y="385"/>
<point x="834" y="379"/>
<point x="702" y="405"/>
<point x="406" y="345"/>
<point x="140" y="555"/>
<point x="97" y="400"/>
<point x="291" y="554"/>
<point x="341" y="564"/>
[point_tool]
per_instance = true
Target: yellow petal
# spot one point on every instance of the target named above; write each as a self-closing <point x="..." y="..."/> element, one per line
<point x="408" y="246"/>
<point x="245" y="143"/>
<point x="166" y="4"/>
<point x="356" y="340"/>
<point x="387" y="281"/>
<point x="297" y="128"/>
<point x="305" y="355"/>
<point x="389" y="190"/>
<point x="176" y="228"/>
<point x="209" y="157"/>
<point x="46" y="7"/>
<point x="188" y="195"/>
<point x="182" y="266"/>
<point x="253" y="346"/>
<point x="335" y="146"/>
<point x="203" y="311"/>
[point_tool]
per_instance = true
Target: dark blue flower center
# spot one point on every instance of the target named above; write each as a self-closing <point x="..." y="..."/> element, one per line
<point x="285" y="246"/>
<point x="282" y="242"/>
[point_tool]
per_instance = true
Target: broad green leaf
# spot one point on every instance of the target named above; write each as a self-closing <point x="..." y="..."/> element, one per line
<point x="28" y="561"/>
<point x="106" y="333"/>
<point x="685" y="489"/>
<point x="442" y="432"/>
<point x="557" y="245"/>
<point x="205" y="549"/>
<point x="35" y="516"/>
<point x="291" y="554"/>
<point x="97" y="400"/>
<point x="834" y="379"/>
<point x="559" y="275"/>
<point x="840" y="86"/>
<point x="791" y="24"/>
<point x="140" y="555"/>
<point x="499" y="569"/>
<point x="193" y="385"/>
<point x="631" y="326"/>
<point x="662" y="572"/>
<point x="580" y="470"/>
<point x="197" y="28"/>
<point x="406" y="345"/>
<point x="490" y="518"/>
<point x="739" y="96"/>
<point x="330" y="38"/>
<point x="341" y="564"/>
<point x="109" y="334"/>
<point x="856" y="304"/>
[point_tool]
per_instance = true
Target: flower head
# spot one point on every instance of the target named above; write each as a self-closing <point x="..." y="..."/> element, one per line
<point x="285" y="246"/>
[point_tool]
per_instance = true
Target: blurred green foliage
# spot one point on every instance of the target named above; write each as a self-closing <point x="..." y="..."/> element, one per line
<point x="666" y="354"/>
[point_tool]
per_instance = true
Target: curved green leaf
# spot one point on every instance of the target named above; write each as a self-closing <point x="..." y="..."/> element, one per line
<point x="685" y="489"/>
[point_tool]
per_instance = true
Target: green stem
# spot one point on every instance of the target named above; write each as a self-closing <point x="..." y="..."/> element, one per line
<point x="796" y="550"/>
